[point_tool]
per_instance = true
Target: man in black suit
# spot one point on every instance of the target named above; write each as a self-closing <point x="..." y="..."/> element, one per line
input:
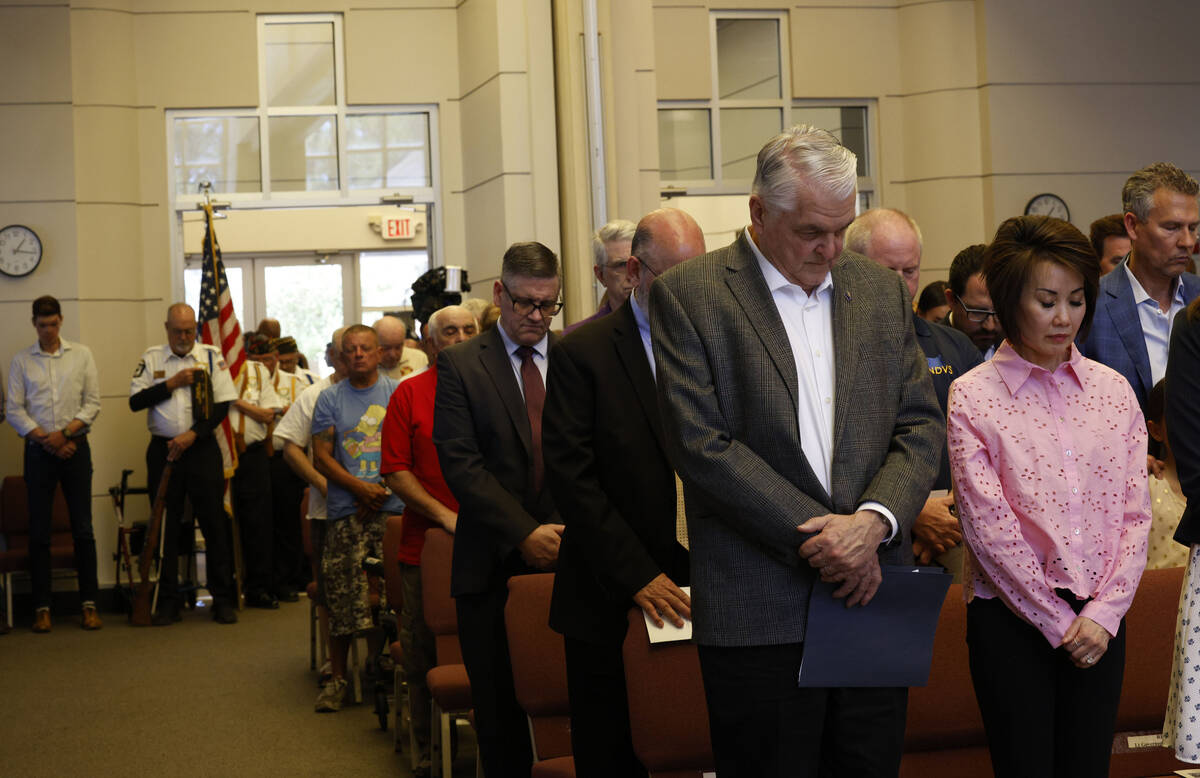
<point x="607" y="468"/>
<point x="892" y="239"/>
<point x="487" y="426"/>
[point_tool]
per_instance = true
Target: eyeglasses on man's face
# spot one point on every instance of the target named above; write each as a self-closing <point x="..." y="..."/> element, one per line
<point x="523" y="306"/>
<point x="977" y="315"/>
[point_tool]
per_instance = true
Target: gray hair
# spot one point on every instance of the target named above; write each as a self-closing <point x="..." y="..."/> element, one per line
<point x="617" y="229"/>
<point x="1137" y="196"/>
<point x="858" y="234"/>
<point x="435" y="319"/>
<point x="806" y="153"/>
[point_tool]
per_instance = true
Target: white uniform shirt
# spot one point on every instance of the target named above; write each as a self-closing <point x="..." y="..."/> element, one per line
<point x="49" y="390"/>
<point x="173" y="416"/>
<point x="254" y="386"/>
<point x="296" y="427"/>
<point x="288" y="386"/>
<point x="412" y="361"/>
<point x="808" y="321"/>
<point x="1156" y="325"/>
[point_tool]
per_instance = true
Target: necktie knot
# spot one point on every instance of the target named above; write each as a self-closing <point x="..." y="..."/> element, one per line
<point x="525" y="353"/>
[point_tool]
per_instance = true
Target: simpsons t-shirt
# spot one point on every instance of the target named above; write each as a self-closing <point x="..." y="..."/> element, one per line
<point x="356" y="416"/>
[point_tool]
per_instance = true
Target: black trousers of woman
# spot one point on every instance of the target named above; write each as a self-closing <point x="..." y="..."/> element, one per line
<point x="1043" y="715"/>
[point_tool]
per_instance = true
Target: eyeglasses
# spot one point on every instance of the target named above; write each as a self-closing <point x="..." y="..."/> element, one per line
<point x="642" y="263"/>
<point x="977" y="315"/>
<point x="524" y="306"/>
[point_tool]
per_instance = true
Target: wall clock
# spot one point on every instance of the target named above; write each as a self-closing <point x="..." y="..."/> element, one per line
<point x="20" y="250"/>
<point x="1048" y="205"/>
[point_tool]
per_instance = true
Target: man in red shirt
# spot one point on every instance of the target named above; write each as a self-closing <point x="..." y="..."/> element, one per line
<point x="410" y="468"/>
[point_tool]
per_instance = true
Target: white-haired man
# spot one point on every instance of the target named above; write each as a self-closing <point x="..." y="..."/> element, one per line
<point x="799" y="413"/>
<point x="397" y="360"/>
<point x="611" y="247"/>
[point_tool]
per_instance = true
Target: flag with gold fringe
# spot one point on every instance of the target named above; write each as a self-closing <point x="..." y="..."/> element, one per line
<point x="219" y="327"/>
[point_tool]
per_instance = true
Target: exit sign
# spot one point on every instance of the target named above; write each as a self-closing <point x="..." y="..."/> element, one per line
<point x="399" y="228"/>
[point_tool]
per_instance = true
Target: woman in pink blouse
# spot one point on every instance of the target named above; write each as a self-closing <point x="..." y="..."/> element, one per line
<point x="1048" y="454"/>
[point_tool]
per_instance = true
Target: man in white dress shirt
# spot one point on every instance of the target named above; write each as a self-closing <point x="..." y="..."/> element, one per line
<point x="53" y="401"/>
<point x="182" y="421"/>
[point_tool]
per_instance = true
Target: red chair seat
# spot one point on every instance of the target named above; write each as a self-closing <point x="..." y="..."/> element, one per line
<point x="449" y="687"/>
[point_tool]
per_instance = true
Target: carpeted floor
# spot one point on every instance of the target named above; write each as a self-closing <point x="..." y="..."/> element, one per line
<point x="193" y="699"/>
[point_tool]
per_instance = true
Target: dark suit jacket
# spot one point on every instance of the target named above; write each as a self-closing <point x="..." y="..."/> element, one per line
<point x="949" y="354"/>
<point x="481" y="431"/>
<point x="1116" y="336"/>
<point x="1183" y="420"/>
<point x="607" y="467"/>
<point x="728" y="388"/>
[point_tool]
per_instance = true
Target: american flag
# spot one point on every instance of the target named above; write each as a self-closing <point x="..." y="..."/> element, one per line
<point x="219" y="326"/>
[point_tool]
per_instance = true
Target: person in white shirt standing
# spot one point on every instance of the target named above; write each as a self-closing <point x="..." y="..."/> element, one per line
<point x="53" y="400"/>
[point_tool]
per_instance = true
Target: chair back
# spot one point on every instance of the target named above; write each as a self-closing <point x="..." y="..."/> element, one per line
<point x="667" y="709"/>
<point x="14" y="515"/>
<point x="391" y="565"/>
<point x="539" y="663"/>
<point x="436" y="601"/>
<point x="1148" y="655"/>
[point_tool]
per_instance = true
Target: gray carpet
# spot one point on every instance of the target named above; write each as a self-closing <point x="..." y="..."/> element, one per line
<point x="196" y="698"/>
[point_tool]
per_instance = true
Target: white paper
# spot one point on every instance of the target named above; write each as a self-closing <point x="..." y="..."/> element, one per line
<point x="668" y="632"/>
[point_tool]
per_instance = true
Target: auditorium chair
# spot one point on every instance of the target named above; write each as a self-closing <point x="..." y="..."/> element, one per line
<point x="448" y="684"/>
<point x="667" y="710"/>
<point x="14" y="536"/>
<point x="539" y="665"/>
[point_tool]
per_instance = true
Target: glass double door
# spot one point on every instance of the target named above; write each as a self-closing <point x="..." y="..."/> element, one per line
<point x="310" y="297"/>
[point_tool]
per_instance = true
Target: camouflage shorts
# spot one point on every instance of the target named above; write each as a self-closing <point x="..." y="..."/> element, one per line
<point x="348" y="541"/>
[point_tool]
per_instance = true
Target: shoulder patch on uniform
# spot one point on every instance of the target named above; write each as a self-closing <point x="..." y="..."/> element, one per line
<point x="141" y="368"/>
<point x="221" y="363"/>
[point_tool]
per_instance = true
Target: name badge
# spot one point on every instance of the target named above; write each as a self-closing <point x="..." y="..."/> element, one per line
<point x="160" y="374"/>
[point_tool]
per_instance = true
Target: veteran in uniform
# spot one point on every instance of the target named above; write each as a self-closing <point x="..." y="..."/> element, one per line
<point x="252" y="416"/>
<point x="186" y="390"/>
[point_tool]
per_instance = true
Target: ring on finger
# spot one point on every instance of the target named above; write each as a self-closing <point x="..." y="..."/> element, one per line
<point x="1090" y="660"/>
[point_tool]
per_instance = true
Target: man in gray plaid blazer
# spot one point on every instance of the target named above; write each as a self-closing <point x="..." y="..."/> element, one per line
<point x="800" y="415"/>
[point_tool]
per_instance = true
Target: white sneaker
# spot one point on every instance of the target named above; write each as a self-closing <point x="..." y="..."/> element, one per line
<point x="331" y="696"/>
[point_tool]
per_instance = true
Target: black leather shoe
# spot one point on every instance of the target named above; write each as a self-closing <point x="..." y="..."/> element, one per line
<point x="262" y="600"/>
<point x="166" y="615"/>
<point x="223" y="613"/>
<point x="287" y="594"/>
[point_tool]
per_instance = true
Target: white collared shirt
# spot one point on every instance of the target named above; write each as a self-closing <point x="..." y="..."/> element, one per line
<point x="254" y="386"/>
<point x="49" y="390"/>
<point x="173" y="416"/>
<point x="540" y="357"/>
<point x="1156" y="325"/>
<point x="643" y="324"/>
<point x="288" y="386"/>
<point x="808" y="321"/>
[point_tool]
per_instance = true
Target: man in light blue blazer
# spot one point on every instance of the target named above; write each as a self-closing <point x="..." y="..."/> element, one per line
<point x="1139" y="299"/>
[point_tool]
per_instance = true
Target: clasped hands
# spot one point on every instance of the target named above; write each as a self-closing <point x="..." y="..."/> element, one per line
<point x="844" y="549"/>
<point x="55" y="443"/>
<point x="1086" y="641"/>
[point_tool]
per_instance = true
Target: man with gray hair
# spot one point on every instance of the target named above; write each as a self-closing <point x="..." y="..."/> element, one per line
<point x="799" y="413"/>
<point x="892" y="239"/>
<point x="610" y="251"/>
<point x="1139" y="299"/>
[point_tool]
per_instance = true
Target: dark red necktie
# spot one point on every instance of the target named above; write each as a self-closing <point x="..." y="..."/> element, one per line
<point x="535" y="398"/>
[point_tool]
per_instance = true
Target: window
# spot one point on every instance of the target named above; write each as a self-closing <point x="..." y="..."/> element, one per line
<point x="304" y="142"/>
<point x="711" y="146"/>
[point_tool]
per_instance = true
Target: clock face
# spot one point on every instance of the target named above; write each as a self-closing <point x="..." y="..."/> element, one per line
<point x="20" y="250"/>
<point x="1048" y="205"/>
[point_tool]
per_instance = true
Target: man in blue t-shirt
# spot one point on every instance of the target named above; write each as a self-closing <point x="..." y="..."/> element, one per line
<point x="347" y="429"/>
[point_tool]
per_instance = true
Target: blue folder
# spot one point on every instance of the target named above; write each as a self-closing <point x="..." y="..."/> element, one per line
<point x="888" y="642"/>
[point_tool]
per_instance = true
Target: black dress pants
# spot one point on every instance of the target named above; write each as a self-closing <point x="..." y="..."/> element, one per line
<point x="503" y="729"/>
<point x="287" y="491"/>
<point x="601" y="741"/>
<point x="764" y="726"/>
<point x="198" y="476"/>
<point x="44" y="471"/>
<point x="252" y="504"/>
<point x="1044" y="717"/>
